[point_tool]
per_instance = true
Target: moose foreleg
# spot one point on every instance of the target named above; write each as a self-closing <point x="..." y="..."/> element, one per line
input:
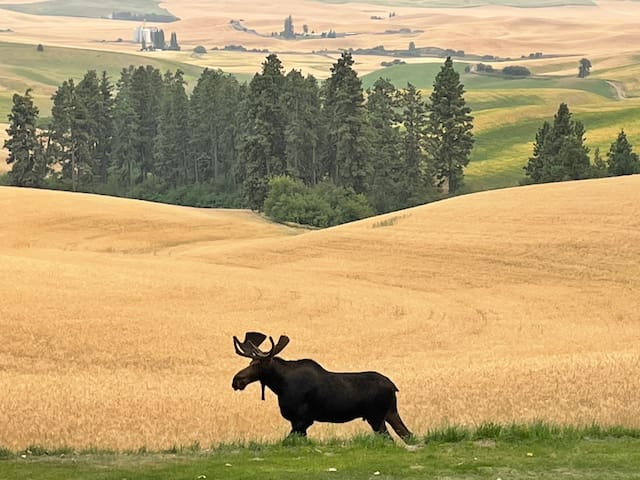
<point x="299" y="427"/>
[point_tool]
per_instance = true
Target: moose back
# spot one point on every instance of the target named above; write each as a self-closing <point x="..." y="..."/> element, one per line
<point x="308" y="393"/>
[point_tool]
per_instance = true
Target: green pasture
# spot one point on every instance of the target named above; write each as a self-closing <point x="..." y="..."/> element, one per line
<point x="24" y="67"/>
<point x="488" y="452"/>
<point x="87" y="8"/>
<point x="422" y="76"/>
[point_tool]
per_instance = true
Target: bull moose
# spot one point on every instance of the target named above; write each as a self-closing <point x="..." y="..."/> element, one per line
<point x="308" y="393"/>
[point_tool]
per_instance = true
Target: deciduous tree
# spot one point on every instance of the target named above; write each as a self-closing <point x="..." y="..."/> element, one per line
<point x="584" y="69"/>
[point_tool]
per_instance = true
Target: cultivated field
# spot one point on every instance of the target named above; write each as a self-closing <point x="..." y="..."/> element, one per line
<point x="117" y="315"/>
<point x="493" y="29"/>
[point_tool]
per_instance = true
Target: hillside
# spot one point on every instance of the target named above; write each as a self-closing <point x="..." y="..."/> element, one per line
<point x="117" y="316"/>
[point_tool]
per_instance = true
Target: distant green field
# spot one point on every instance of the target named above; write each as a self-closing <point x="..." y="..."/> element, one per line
<point x="422" y="76"/>
<point x="87" y="8"/>
<point x="24" y="67"/>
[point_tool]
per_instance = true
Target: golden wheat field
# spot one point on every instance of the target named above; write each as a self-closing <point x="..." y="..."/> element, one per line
<point x="511" y="305"/>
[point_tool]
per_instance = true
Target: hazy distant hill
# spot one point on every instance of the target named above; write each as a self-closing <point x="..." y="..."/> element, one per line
<point x="138" y="9"/>
<point x="473" y="3"/>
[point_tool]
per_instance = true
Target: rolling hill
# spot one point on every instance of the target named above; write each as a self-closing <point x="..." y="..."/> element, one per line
<point x="117" y="317"/>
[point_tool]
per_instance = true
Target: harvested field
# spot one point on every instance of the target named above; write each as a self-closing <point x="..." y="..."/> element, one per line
<point x="509" y="305"/>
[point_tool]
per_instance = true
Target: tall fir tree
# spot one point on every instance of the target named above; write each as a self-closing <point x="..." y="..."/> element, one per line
<point x="264" y="140"/>
<point x="559" y="152"/>
<point x="26" y="157"/>
<point x="417" y="178"/>
<point x="146" y="88"/>
<point x="621" y="159"/>
<point x="348" y="148"/>
<point x="213" y="122"/>
<point x="104" y="117"/>
<point x="385" y="181"/>
<point x="303" y="132"/>
<point x="172" y="141"/>
<point x="125" y="166"/>
<point x="449" y="137"/>
<point x="70" y="134"/>
<point x="93" y="94"/>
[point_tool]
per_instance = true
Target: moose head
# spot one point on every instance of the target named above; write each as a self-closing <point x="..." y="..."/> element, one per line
<point x="260" y="361"/>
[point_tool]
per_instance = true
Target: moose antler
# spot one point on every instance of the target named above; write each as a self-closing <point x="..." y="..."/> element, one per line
<point x="249" y="348"/>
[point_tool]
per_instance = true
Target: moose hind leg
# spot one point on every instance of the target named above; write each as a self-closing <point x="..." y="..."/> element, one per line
<point x="398" y="425"/>
<point x="393" y="418"/>
<point x="378" y="426"/>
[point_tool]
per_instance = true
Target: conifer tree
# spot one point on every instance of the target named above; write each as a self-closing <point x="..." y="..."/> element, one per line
<point x="264" y="140"/>
<point x="347" y="150"/>
<point x="93" y="94"/>
<point x="418" y="174"/>
<point x="70" y="134"/>
<point x="213" y="122"/>
<point x="27" y="160"/>
<point x="146" y="92"/>
<point x="304" y="130"/>
<point x="385" y="181"/>
<point x="125" y="165"/>
<point x="449" y="139"/>
<point x="171" y="145"/>
<point x="104" y="119"/>
<point x="559" y="152"/>
<point x="621" y="159"/>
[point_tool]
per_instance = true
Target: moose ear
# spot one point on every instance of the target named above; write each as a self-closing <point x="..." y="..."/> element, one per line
<point x="283" y="341"/>
<point x="256" y="338"/>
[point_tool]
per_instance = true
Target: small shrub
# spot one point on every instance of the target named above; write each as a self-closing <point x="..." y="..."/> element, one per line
<point x="516" y="71"/>
<point x="40" y="48"/>
<point x="324" y="205"/>
<point x="200" y="50"/>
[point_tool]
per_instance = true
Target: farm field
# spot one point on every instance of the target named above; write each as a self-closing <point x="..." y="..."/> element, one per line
<point x="507" y="306"/>
<point x="562" y="29"/>
<point x="507" y="112"/>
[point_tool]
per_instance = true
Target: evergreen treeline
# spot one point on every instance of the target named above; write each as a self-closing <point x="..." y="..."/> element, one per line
<point x="314" y="152"/>
<point x="559" y="153"/>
